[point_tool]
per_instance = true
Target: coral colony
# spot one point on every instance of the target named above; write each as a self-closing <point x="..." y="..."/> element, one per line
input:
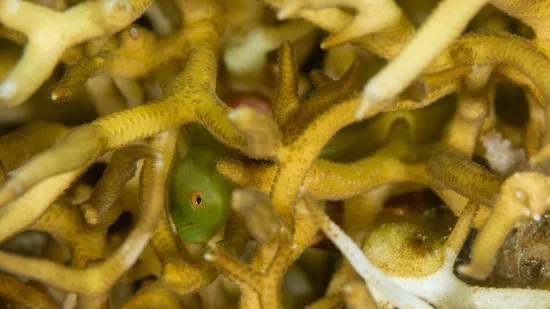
<point x="274" y="154"/>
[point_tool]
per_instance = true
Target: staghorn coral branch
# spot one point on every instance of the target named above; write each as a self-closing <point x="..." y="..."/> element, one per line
<point x="329" y="180"/>
<point x="255" y="175"/>
<point x="462" y="228"/>
<point x="193" y="102"/>
<point x="139" y="53"/>
<point x="371" y="17"/>
<point x="34" y="203"/>
<point x="467" y="123"/>
<point x="457" y="203"/>
<point x="160" y="22"/>
<point x="98" y="279"/>
<point x="517" y="77"/>
<point x="89" y="147"/>
<point x="321" y="99"/>
<point x="24" y="294"/>
<point x="101" y="208"/>
<point x="522" y="195"/>
<point x="65" y="224"/>
<point x="328" y="302"/>
<point x="536" y="127"/>
<point x="319" y="78"/>
<point x="287" y="100"/>
<point x="18" y="146"/>
<point x="261" y="289"/>
<point x="398" y="151"/>
<point x="109" y="132"/>
<point x="535" y="15"/>
<point x="153" y="296"/>
<point x="336" y="181"/>
<point x="131" y="90"/>
<point x="472" y="108"/>
<point x="301" y="152"/>
<point x="386" y="43"/>
<point x="305" y="230"/>
<point x="357" y="296"/>
<point x="489" y="47"/>
<point x="401" y="71"/>
<point x="148" y="264"/>
<point x="499" y="47"/>
<point x="234" y="269"/>
<point x="80" y="23"/>
<point x="70" y="56"/>
<point x="74" y="78"/>
<point x="180" y="274"/>
<point x="13" y="35"/>
<point x="455" y="171"/>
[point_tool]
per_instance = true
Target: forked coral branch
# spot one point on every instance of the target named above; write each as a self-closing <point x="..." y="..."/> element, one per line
<point x="371" y="17"/>
<point x="372" y="151"/>
<point x="61" y="30"/>
<point x="523" y="195"/>
<point x="400" y="72"/>
<point x="261" y="289"/>
<point x="96" y="281"/>
<point x="24" y="293"/>
<point x="194" y="102"/>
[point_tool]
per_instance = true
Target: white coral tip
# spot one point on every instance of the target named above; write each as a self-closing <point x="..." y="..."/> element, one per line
<point x="111" y="5"/>
<point x="7" y="90"/>
<point x="13" y="6"/>
<point x="363" y="108"/>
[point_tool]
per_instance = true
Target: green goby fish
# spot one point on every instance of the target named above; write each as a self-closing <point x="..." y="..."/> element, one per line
<point x="199" y="196"/>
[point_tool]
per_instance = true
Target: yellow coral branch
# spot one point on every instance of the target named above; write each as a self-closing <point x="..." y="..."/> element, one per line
<point x="80" y="23"/>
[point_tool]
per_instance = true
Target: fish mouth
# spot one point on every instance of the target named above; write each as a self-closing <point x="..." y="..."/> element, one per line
<point x="187" y="224"/>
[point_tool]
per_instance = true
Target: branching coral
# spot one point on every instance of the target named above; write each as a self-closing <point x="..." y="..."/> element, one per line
<point x="58" y="31"/>
<point x="341" y="158"/>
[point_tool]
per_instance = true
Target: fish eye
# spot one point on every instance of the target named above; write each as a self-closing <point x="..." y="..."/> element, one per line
<point x="197" y="199"/>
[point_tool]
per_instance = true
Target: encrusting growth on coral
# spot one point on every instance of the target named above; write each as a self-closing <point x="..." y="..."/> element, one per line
<point x="353" y="146"/>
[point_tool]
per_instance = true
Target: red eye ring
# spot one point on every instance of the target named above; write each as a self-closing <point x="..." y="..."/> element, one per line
<point x="197" y="199"/>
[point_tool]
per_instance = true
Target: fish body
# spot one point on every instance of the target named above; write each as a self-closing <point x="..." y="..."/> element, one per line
<point x="199" y="196"/>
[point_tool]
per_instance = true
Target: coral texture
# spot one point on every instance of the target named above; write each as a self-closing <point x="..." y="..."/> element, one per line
<point x="274" y="154"/>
